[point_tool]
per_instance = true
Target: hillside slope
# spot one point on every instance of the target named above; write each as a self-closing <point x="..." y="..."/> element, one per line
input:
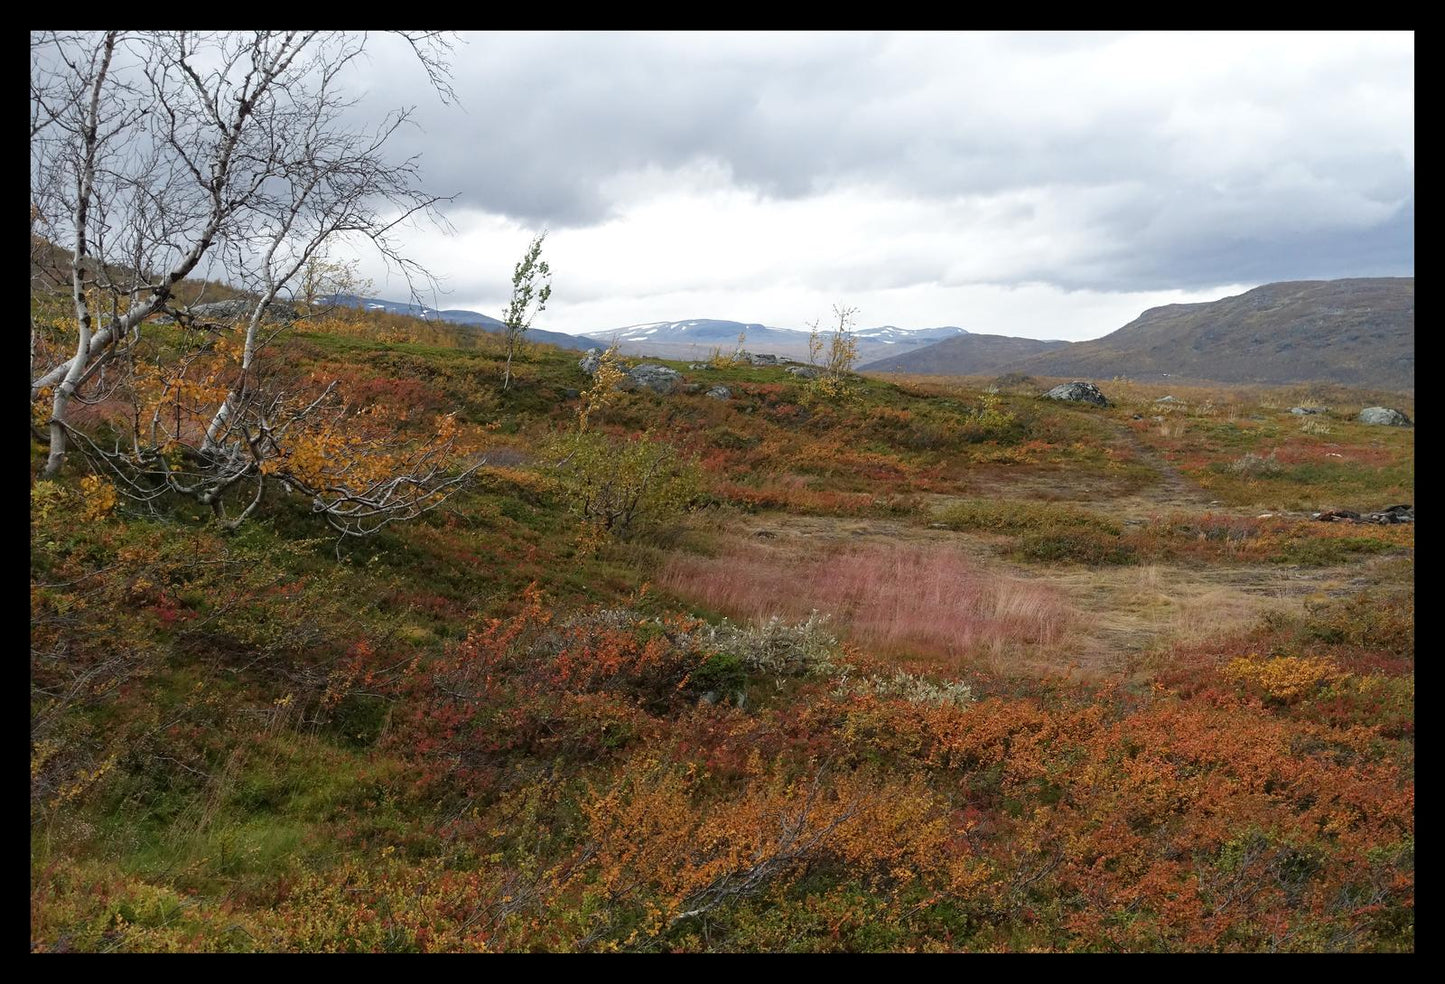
<point x="461" y="316"/>
<point x="1354" y="332"/>
<point x="1358" y="332"/>
<point x="965" y="355"/>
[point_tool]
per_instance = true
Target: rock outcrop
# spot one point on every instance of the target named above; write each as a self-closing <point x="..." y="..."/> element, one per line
<point x="1384" y="416"/>
<point x="1389" y="516"/>
<point x="654" y="377"/>
<point x="1078" y="392"/>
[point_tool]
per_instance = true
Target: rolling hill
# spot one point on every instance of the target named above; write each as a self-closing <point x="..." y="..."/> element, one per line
<point x="965" y="355"/>
<point x="1355" y="332"/>
<point x="459" y="316"/>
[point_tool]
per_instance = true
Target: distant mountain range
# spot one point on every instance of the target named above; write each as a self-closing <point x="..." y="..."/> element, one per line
<point x="684" y="340"/>
<point x="458" y="316"/>
<point x="697" y="338"/>
<point x="1358" y="332"/>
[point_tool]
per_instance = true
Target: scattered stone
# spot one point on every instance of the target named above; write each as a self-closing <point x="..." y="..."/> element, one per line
<point x="1302" y="411"/>
<point x="692" y="388"/>
<point x="695" y="366"/>
<point x="711" y="697"/>
<point x="1389" y="516"/>
<point x="590" y="361"/>
<point x="652" y="376"/>
<point x="762" y="359"/>
<point x="1385" y="416"/>
<point x="1078" y="392"/>
<point x="720" y="393"/>
<point x="804" y="372"/>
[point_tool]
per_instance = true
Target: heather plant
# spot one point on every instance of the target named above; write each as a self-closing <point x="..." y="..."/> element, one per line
<point x="1253" y="464"/>
<point x="244" y="741"/>
<point x="776" y="645"/>
<point x="909" y="687"/>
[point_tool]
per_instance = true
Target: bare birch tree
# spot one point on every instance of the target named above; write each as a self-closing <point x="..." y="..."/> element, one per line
<point x="157" y="155"/>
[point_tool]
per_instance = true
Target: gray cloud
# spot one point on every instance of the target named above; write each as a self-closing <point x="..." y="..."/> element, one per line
<point x="1237" y="159"/>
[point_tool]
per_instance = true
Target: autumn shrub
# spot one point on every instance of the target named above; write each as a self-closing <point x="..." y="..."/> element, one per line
<point x="665" y="854"/>
<point x="991" y="420"/>
<point x="1079" y="546"/>
<point x="1286" y="679"/>
<point x="589" y="683"/>
<point x="1375" y="619"/>
<point x="623" y="488"/>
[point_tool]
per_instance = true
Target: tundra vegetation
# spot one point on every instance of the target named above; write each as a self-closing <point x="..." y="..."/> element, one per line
<point x="923" y="668"/>
<point x="354" y="632"/>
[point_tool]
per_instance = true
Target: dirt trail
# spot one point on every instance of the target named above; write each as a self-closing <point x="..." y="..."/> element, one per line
<point x="1125" y="618"/>
<point x="1173" y="490"/>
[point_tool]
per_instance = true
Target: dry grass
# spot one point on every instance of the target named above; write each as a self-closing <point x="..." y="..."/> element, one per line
<point x="890" y="598"/>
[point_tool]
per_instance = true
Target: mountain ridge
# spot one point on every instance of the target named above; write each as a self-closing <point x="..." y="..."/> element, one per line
<point x="1352" y="331"/>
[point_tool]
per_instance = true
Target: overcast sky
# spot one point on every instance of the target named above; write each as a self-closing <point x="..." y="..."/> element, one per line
<point x="1046" y="185"/>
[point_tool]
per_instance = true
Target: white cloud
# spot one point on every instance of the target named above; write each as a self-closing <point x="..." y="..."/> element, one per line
<point x="1050" y="185"/>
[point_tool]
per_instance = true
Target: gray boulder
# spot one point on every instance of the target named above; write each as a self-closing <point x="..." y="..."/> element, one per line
<point x="1305" y="411"/>
<point x="805" y="372"/>
<point x="652" y="376"/>
<point x="590" y="361"/>
<point x="1385" y="416"/>
<point x="760" y="359"/>
<point x="1391" y="515"/>
<point x="720" y="393"/>
<point x="1078" y="392"/>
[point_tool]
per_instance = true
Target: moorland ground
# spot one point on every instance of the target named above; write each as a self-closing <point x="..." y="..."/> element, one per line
<point x="911" y="664"/>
